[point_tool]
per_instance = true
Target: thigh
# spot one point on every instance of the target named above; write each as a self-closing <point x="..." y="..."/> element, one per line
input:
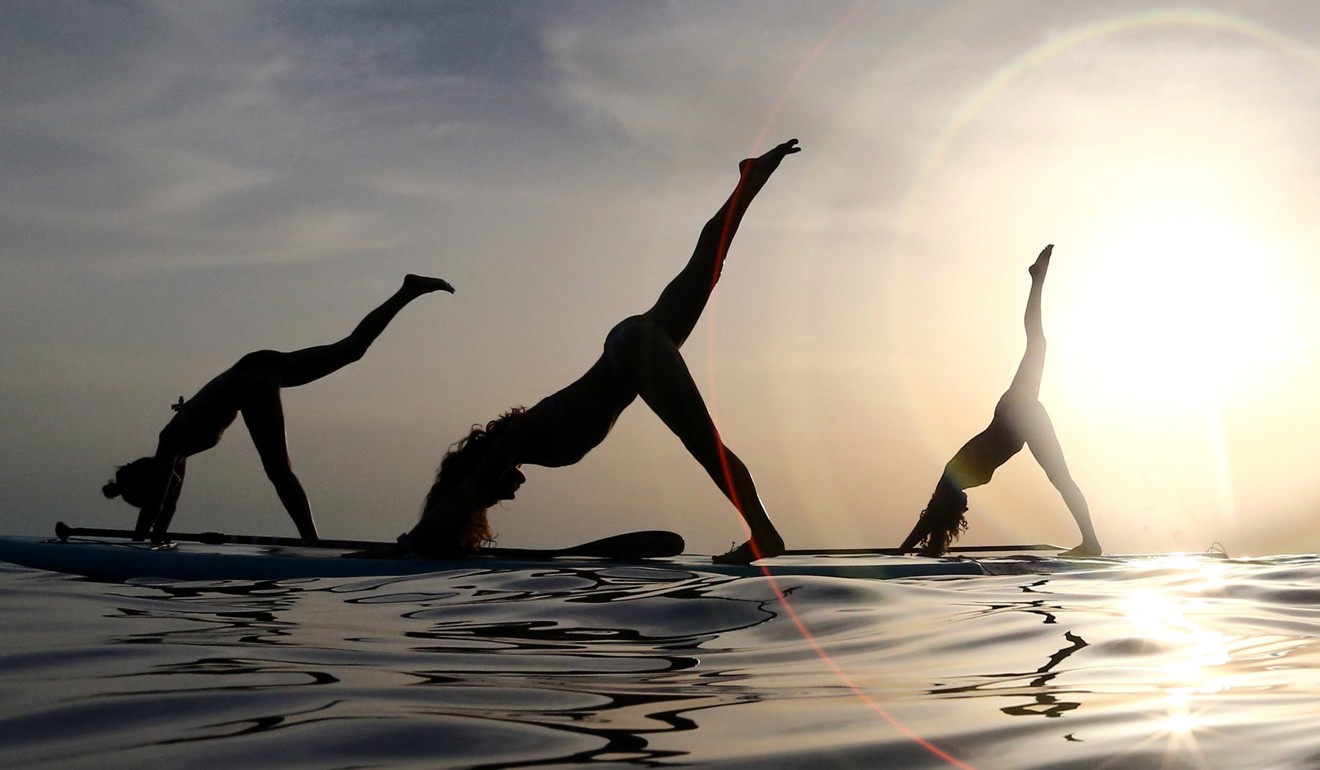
<point x="264" y="416"/>
<point x="646" y="361"/>
<point x="1044" y="443"/>
<point x="300" y="367"/>
<point x="294" y="368"/>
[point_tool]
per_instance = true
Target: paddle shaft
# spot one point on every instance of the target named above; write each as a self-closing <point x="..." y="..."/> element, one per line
<point x="64" y="531"/>
<point x="632" y="545"/>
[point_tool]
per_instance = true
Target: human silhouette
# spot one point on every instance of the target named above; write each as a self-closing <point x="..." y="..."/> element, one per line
<point x="1019" y="419"/>
<point x="641" y="357"/>
<point x="250" y="387"/>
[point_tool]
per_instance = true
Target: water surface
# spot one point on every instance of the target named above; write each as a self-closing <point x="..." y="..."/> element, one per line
<point x="1169" y="663"/>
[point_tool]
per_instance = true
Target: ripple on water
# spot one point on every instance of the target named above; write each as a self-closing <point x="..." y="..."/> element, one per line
<point x="1191" y="663"/>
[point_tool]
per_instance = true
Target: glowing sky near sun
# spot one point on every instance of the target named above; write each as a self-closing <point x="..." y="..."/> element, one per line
<point x="188" y="182"/>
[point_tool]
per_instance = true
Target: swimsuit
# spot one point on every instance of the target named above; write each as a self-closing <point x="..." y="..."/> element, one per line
<point x="579" y="417"/>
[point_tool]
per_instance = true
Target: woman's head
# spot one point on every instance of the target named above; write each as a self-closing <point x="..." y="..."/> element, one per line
<point x="461" y="460"/>
<point x="137" y="482"/>
<point x="943" y="518"/>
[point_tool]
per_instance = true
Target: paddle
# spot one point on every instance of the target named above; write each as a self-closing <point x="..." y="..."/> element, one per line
<point x="645" y="544"/>
<point x="898" y="552"/>
<point x="649" y="544"/>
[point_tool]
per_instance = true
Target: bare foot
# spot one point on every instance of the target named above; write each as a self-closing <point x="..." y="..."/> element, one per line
<point x="421" y="284"/>
<point x="766" y="548"/>
<point x="1042" y="262"/>
<point x="1085" y="549"/>
<point x="740" y="555"/>
<point x="768" y="162"/>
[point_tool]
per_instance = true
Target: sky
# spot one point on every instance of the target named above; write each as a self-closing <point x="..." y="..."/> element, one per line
<point x="186" y="182"/>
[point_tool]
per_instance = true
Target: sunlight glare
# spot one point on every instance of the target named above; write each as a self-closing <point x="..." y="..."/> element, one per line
<point x="1181" y="720"/>
<point x="1183" y="307"/>
<point x="1189" y="309"/>
<point x="1162" y="618"/>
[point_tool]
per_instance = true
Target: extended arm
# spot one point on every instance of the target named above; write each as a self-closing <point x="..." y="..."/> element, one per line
<point x="154" y="517"/>
<point x="448" y="513"/>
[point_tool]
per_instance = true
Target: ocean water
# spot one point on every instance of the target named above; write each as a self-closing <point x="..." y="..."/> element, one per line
<point x="1186" y="662"/>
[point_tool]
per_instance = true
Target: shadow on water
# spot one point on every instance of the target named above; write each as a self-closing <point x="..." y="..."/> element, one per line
<point x="1045" y="700"/>
<point x="606" y="658"/>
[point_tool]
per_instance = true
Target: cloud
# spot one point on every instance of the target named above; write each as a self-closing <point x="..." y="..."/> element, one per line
<point x="73" y="50"/>
<point x="182" y="135"/>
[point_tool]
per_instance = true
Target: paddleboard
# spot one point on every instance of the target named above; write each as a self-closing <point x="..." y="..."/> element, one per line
<point x="117" y="560"/>
<point x="1033" y="564"/>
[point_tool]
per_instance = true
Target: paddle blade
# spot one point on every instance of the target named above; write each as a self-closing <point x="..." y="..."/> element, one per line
<point x="649" y="544"/>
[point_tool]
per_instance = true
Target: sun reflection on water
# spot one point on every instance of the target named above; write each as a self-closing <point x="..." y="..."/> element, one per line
<point x="1181" y="721"/>
<point x="1195" y="656"/>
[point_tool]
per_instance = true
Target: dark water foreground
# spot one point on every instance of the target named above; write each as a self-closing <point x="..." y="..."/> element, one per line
<point x="1158" y="664"/>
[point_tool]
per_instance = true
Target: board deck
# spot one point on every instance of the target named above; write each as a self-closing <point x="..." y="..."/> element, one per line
<point x="1034" y="564"/>
<point x="869" y="567"/>
<point x="117" y="560"/>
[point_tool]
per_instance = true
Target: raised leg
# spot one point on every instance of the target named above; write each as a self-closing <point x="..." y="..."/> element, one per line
<point x="1026" y="383"/>
<point x="309" y="364"/>
<point x="646" y="359"/>
<point x="681" y="303"/>
<point x="264" y="417"/>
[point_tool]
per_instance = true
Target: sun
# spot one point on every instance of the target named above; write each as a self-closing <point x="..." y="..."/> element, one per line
<point x="1179" y="304"/>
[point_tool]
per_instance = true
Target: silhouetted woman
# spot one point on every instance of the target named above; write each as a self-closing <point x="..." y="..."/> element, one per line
<point x="641" y="357"/>
<point x="1019" y="419"/>
<point x="250" y="387"/>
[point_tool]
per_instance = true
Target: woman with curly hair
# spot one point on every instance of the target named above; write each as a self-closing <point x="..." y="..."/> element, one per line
<point x="1019" y="419"/>
<point x="641" y="358"/>
<point x="250" y="387"/>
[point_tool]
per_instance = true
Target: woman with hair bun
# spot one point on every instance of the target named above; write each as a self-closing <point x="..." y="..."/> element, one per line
<point x="250" y="387"/>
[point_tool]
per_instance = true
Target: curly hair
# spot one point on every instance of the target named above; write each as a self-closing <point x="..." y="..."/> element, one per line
<point x="461" y="460"/>
<point x="943" y="519"/>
